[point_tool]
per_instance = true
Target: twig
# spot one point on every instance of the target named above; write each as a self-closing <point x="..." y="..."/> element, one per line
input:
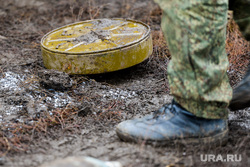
<point x="8" y="146"/>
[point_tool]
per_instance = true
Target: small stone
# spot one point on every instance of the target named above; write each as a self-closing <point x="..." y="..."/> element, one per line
<point x="2" y="37"/>
<point x="80" y="162"/>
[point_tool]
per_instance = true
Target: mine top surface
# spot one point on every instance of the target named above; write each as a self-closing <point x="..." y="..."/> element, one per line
<point x="95" y="35"/>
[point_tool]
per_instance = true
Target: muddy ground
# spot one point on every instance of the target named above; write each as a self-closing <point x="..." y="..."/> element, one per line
<point x="46" y="114"/>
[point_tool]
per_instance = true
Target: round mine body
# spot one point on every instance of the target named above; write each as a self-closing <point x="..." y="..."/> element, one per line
<point x="97" y="46"/>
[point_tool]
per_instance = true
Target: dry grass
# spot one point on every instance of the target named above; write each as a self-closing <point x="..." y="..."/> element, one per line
<point x="16" y="137"/>
<point x="160" y="45"/>
<point x="238" y="50"/>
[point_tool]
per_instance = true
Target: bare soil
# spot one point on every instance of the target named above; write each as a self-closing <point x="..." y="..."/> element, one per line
<point x="46" y="114"/>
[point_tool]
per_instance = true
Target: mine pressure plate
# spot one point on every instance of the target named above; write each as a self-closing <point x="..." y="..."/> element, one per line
<point x="97" y="46"/>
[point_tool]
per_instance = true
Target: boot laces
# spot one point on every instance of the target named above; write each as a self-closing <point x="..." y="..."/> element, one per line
<point x="164" y="110"/>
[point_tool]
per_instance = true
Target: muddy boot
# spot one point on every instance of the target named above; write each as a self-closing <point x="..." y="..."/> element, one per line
<point x="241" y="94"/>
<point x="173" y="124"/>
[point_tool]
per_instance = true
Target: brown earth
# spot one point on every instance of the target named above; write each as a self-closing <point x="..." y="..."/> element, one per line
<point x="45" y="114"/>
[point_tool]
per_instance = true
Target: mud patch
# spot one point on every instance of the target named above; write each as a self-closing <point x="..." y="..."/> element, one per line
<point x="52" y="79"/>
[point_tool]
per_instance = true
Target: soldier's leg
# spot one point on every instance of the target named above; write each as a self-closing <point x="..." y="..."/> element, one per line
<point x="195" y="31"/>
<point x="196" y="34"/>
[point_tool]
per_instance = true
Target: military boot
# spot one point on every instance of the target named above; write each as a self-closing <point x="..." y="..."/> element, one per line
<point x="173" y="124"/>
<point x="241" y="94"/>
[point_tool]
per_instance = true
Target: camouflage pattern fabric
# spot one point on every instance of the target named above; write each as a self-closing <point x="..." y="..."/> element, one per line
<point x="195" y="31"/>
<point x="241" y="12"/>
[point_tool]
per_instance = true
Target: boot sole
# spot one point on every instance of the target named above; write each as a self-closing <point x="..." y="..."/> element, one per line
<point x="219" y="139"/>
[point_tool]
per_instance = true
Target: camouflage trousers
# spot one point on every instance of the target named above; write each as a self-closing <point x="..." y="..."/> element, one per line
<point x="195" y="31"/>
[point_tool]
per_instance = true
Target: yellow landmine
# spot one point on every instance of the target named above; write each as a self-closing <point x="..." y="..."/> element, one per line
<point x="97" y="46"/>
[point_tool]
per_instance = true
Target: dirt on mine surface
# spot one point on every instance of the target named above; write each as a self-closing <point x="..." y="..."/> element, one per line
<point x="46" y="114"/>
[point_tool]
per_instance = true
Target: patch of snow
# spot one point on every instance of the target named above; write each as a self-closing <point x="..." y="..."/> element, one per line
<point x="36" y="97"/>
<point x="241" y="118"/>
<point x="10" y="82"/>
<point x="119" y="94"/>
